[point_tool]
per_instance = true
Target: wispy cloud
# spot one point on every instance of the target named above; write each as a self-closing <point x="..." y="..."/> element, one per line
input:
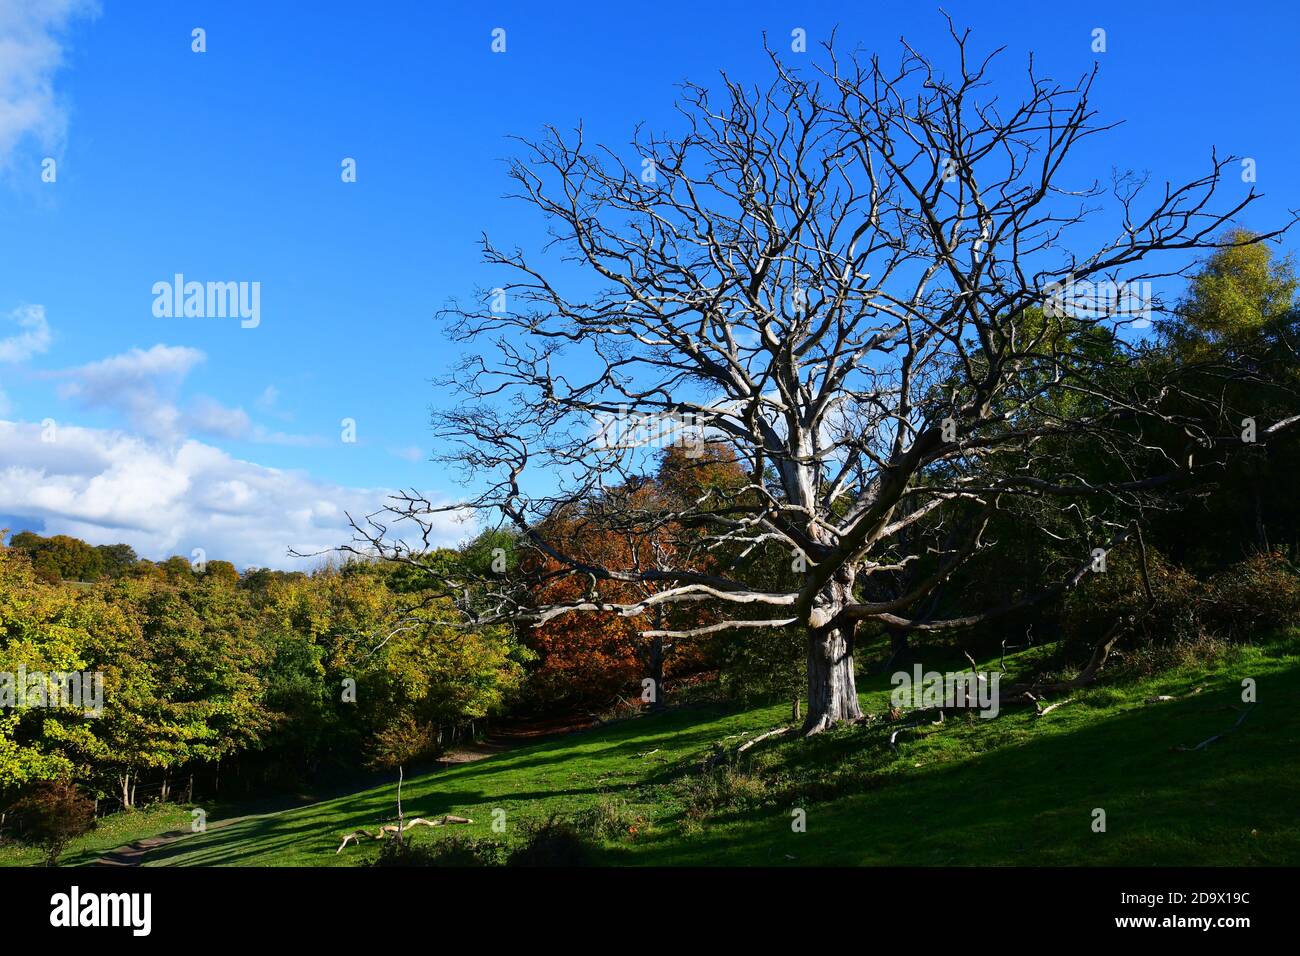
<point x="163" y="499"/>
<point x="32" y="337"/>
<point x="142" y="385"/>
<point x="31" y="53"/>
<point x="409" y="453"/>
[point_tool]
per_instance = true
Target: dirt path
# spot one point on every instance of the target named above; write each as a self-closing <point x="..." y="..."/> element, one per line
<point x="133" y="853"/>
<point x="499" y="740"/>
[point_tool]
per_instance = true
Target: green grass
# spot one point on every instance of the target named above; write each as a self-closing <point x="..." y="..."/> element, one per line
<point x="114" y="830"/>
<point x="1015" y="789"/>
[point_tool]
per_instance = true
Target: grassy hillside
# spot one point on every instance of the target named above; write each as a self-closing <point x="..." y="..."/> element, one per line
<point x="115" y="830"/>
<point x="1015" y="789"/>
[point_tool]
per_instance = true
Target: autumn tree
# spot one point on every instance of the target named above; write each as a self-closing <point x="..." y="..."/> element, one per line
<point x="593" y="657"/>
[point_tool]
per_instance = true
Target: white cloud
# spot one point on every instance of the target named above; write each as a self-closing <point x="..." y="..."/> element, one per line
<point x="207" y="416"/>
<point x="210" y="417"/>
<point x="30" y="54"/>
<point x="141" y="365"/>
<point x="163" y="499"/>
<point x="264" y="436"/>
<point x="139" y="384"/>
<point x="142" y="384"/>
<point x="409" y="453"/>
<point x="32" y="338"/>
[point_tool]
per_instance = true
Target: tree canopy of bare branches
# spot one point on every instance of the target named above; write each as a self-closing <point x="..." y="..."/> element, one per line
<point x="852" y="279"/>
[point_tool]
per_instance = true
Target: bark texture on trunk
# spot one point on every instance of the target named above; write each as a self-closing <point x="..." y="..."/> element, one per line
<point x="832" y="687"/>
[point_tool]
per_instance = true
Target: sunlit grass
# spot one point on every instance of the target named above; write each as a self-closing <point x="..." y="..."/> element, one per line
<point x="1014" y="789"/>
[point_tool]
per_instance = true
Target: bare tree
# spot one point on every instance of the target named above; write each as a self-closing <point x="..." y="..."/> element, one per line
<point x="853" y="278"/>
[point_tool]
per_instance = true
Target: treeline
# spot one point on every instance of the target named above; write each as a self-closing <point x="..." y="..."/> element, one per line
<point x="64" y="558"/>
<point x="280" y="676"/>
<point x="1216" y="557"/>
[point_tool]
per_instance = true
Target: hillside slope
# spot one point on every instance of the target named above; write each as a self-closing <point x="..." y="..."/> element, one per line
<point x="1015" y="789"/>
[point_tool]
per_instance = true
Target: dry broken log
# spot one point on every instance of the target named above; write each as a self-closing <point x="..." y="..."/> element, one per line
<point x="719" y="752"/>
<point x="771" y="733"/>
<point x="1040" y="710"/>
<point x="392" y="829"/>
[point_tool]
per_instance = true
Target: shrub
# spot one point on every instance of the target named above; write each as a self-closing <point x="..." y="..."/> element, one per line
<point x="403" y="740"/>
<point x="609" y="819"/>
<point x="53" y="814"/>
<point x="1118" y="593"/>
<point x="455" y="849"/>
<point x="1154" y="659"/>
<point x="552" y="842"/>
<point x="1192" y="620"/>
<point x="722" y="788"/>
<point x="1262" y="591"/>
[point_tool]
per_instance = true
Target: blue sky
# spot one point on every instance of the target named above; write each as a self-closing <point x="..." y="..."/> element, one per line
<point x="179" y="433"/>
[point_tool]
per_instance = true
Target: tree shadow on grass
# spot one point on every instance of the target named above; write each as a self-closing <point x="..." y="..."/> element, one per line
<point x="1029" y="800"/>
<point x="1231" y="803"/>
<point x="509" y="780"/>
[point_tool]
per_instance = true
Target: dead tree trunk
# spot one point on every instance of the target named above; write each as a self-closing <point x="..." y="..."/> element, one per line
<point x="832" y="686"/>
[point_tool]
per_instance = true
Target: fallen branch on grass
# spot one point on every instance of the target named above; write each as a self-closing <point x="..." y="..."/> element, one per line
<point x="916" y="723"/>
<point x="1041" y="711"/>
<point x="1049" y="708"/>
<point x="1100" y="652"/>
<point x="893" y="738"/>
<point x="719" y="751"/>
<point x="392" y="829"/>
<point x="771" y="733"/>
<point x="1209" y="740"/>
<point x="1161" y="698"/>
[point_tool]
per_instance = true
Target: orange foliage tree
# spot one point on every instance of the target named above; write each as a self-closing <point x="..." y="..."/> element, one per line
<point x="592" y="659"/>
